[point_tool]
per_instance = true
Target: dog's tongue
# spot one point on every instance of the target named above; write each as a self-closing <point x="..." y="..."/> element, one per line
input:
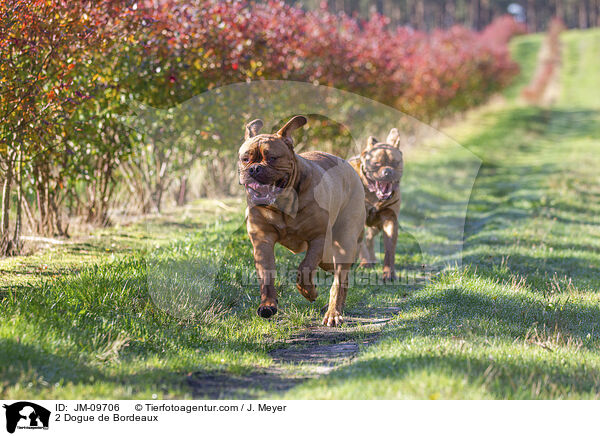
<point x="383" y="190"/>
<point x="261" y="193"/>
<point x="260" y="188"/>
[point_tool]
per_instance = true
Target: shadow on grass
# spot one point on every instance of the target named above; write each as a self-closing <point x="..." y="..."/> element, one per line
<point x="511" y="317"/>
<point x="548" y="273"/>
<point x="32" y="367"/>
<point x="24" y="363"/>
<point x="512" y="189"/>
<point x="525" y="241"/>
<point x="502" y="378"/>
<point x="507" y="129"/>
<point x="454" y="314"/>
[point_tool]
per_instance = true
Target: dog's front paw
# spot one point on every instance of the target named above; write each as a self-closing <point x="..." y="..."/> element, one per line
<point x="333" y="318"/>
<point x="308" y="291"/>
<point x="364" y="263"/>
<point x="267" y="310"/>
<point x="388" y="275"/>
<point x="305" y="285"/>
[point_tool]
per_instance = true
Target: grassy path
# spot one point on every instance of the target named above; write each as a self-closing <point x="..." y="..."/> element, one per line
<point x="521" y="319"/>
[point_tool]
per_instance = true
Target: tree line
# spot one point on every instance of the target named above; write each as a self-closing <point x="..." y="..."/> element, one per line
<point x="476" y="14"/>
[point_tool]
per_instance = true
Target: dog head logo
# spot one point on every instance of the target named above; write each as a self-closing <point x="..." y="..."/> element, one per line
<point x="26" y="415"/>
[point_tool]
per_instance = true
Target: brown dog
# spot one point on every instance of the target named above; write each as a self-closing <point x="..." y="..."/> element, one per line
<point x="380" y="167"/>
<point x="306" y="202"/>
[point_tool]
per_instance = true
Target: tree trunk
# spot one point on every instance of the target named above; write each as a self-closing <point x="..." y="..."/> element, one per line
<point x="582" y="14"/>
<point x="474" y="14"/>
<point x="559" y="10"/>
<point x="4" y="225"/>
<point x="449" y="13"/>
<point x="182" y="194"/>
<point x="157" y="196"/>
<point x="42" y="199"/>
<point x="92" y="201"/>
<point x="379" y="6"/>
<point x="30" y="218"/>
<point x="593" y="13"/>
<point x="531" y="20"/>
<point x="420" y="15"/>
<point x="105" y="191"/>
<point x="19" y="174"/>
<point x="485" y="13"/>
<point x="6" y="197"/>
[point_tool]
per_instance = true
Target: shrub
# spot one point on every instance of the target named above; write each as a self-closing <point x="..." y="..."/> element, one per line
<point x="199" y="46"/>
<point x="68" y="70"/>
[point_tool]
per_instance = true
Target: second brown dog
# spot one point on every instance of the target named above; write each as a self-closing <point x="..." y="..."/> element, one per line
<point x="380" y="167"/>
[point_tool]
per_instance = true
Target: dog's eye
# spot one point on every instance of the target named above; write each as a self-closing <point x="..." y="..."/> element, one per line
<point x="245" y="159"/>
<point x="272" y="159"/>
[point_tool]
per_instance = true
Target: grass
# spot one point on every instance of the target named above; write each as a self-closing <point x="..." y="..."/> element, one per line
<point x="99" y="318"/>
<point x="522" y="319"/>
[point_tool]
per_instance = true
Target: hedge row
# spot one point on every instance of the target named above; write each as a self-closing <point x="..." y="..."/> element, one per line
<point x="69" y="69"/>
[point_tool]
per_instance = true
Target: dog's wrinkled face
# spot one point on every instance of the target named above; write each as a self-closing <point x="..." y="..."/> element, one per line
<point x="267" y="162"/>
<point x="382" y="165"/>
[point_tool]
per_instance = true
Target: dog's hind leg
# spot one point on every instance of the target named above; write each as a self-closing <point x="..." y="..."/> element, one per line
<point x="337" y="296"/>
<point x="346" y="234"/>
<point x="367" y="248"/>
<point x="390" y="238"/>
<point x="345" y="249"/>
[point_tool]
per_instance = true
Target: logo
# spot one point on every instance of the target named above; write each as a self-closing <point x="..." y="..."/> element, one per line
<point x="26" y="415"/>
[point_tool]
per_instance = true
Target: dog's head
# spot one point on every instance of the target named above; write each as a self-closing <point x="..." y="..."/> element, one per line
<point x="267" y="162"/>
<point x="382" y="165"/>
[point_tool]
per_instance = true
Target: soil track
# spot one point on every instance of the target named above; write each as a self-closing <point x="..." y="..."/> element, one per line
<point x="308" y="354"/>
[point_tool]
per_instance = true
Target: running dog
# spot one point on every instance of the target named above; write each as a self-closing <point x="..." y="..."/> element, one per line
<point x="380" y="167"/>
<point x="307" y="203"/>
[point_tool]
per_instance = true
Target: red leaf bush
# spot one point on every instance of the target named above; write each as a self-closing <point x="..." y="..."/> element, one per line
<point x="69" y="69"/>
<point x="502" y="29"/>
<point x="207" y="44"/>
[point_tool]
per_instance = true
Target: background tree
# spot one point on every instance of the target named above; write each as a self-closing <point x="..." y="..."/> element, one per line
<point x="41" y="45"/>
<point x="476" y="14"/>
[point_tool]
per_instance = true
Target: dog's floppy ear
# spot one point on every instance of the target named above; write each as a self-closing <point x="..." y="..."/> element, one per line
<point x="252" y="128"/>
<point x="393" y="138"/>
<point x="290" y="126"/>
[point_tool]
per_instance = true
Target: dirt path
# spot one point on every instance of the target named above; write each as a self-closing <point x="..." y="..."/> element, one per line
<point x="309" y="354"/>
<point x="544" y="88"/>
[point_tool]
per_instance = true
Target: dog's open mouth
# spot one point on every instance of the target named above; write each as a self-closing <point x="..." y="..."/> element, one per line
<point x="383" y="190"/>
<point x="263" y="194"/>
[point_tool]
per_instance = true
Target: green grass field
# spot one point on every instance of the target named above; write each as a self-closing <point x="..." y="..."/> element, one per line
<point x="519" y="320"/>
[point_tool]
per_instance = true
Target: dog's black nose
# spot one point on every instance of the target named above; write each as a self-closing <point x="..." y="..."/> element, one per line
<point x="255" y="170"/>
<point x="387" y="172"/>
